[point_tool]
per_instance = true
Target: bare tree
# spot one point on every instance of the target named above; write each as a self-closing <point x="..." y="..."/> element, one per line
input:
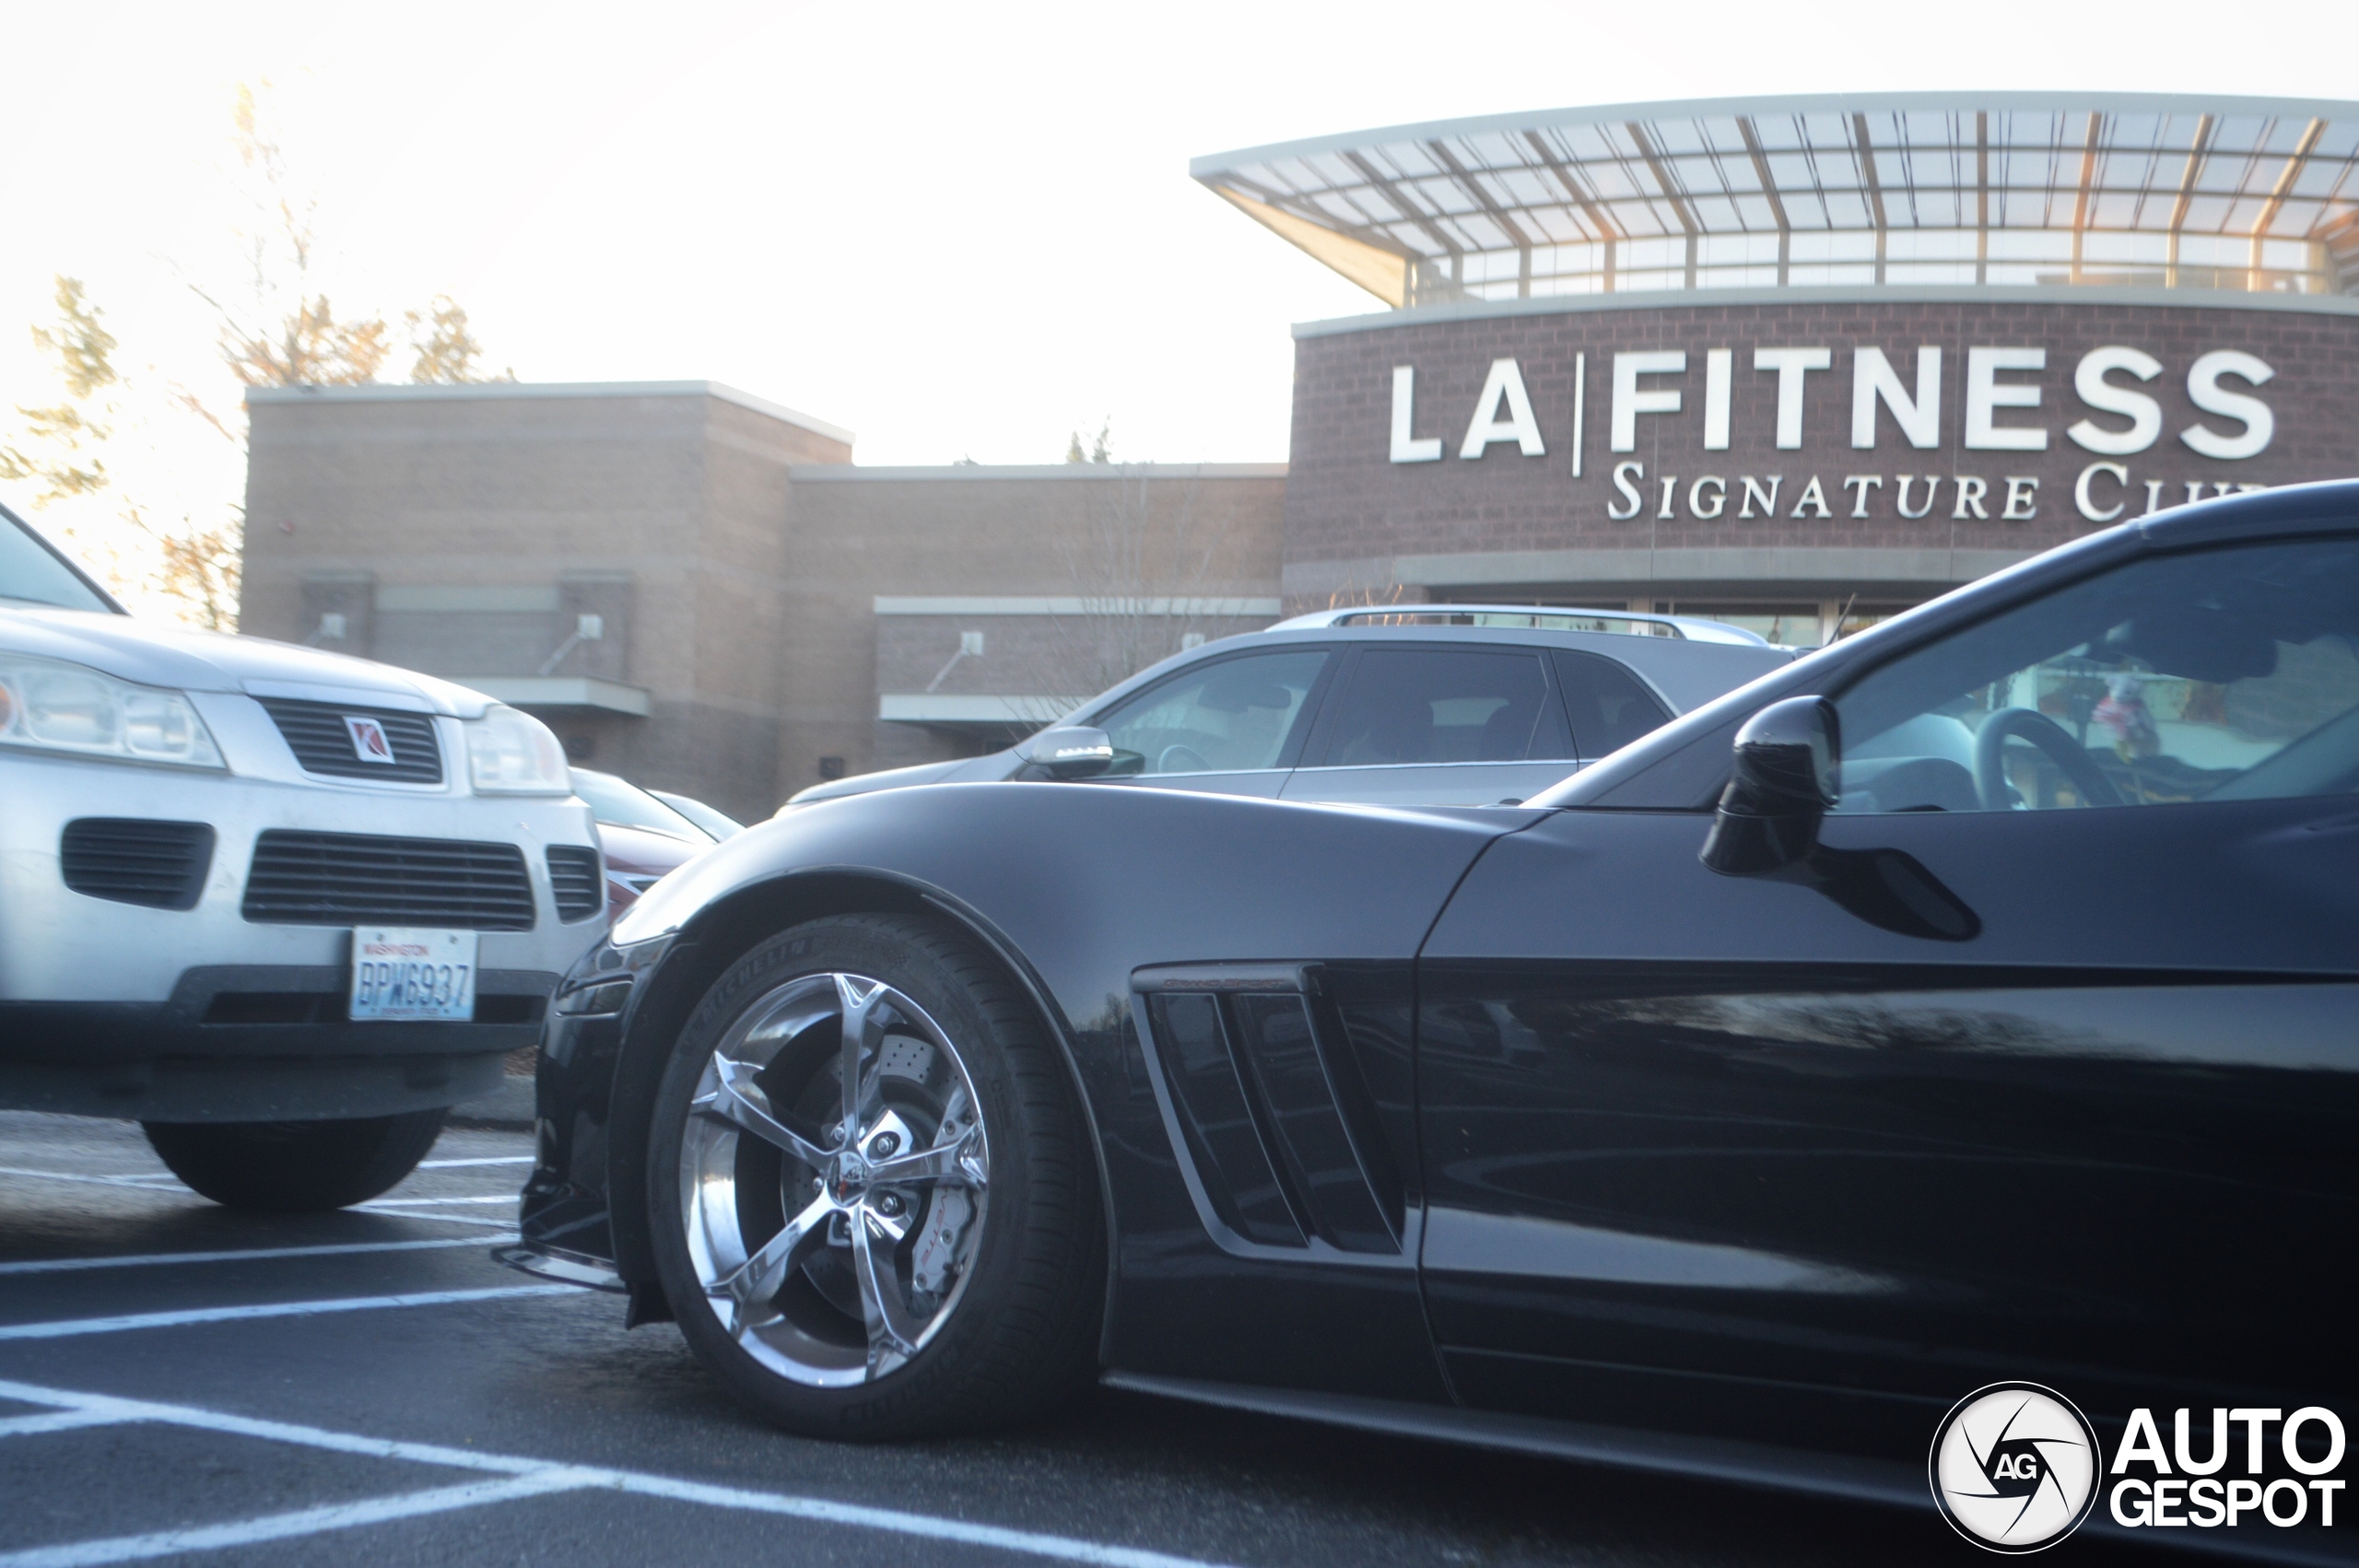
<point x="59" y="447"/>
<point x="1145" y="557"/>
<point x="1366" y="598"/>
<point x="445" y="350"/>
<point x="279" y="328"/>
<point x="62" y="448"/>
<point x="1101" y="449"/>
<point x="284" y="332"/>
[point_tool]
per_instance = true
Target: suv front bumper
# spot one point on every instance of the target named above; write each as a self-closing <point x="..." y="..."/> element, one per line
<point x="123" y="1009"/>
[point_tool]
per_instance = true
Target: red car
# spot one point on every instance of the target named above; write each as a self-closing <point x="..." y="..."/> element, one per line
<point x="643" y="837"/>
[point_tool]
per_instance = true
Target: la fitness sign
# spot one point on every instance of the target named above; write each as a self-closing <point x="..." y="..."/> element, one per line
<point x="1896" y="406"/>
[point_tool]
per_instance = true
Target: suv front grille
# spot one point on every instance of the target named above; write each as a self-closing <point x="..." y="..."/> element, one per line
<point x="316" y="733"/>
<point x="341" y="879"/>
<point x="131" y="860"/>
<point x="573" y="881"/>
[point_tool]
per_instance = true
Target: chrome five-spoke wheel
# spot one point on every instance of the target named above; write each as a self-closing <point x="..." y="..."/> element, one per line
<point x="834" y="1179"/>
<point x="870" y="1189"/>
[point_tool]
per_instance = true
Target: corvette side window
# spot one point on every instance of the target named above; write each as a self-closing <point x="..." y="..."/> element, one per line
<point x="2220" y="674"/>
<point x="1233" y="715"/>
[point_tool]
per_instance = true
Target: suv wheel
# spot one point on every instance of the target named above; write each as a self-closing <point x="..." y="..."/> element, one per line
<point x="874" y="1211"/>
<point x="296" y="1166"/>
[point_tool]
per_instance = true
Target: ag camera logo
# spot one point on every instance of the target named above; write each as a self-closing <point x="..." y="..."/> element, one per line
<point x="2015" y="1467"/>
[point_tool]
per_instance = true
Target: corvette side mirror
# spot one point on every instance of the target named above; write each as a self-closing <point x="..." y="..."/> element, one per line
<point x="1787" y="758"/>
<point x="1075" y="752"/>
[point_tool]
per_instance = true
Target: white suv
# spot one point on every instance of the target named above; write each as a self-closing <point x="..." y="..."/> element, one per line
<point x="283" y="907"/>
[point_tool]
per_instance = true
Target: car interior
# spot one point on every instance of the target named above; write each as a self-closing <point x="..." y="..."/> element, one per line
<point x="2221" y="674"/>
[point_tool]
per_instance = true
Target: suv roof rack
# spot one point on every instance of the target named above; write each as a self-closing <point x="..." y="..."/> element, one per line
<point x="1535" y="617"/>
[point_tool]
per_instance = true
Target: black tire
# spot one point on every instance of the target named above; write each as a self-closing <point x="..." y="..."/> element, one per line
<point x="1023" y="1335"/>
<point x="296" y="1167"/>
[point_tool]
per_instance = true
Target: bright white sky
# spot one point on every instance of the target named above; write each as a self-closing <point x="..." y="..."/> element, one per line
<point x="959" y="229"/>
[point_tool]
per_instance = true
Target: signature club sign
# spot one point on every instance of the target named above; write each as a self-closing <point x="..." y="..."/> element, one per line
<point x="1899" y="402"/>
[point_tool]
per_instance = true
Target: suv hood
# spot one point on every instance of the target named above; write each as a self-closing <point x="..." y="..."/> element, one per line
<point x="216" y="662"/>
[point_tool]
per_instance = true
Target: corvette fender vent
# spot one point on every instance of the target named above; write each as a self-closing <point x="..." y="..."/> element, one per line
<point x="343" y="879"/>
<point x="132" y="860"/>
<point x="1266" y="1102"/>
<point x="574" y="882"/>
<point x="324" y="738"/>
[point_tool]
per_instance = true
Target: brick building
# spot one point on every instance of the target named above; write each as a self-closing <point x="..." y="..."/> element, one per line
<point x="700" y="591"/>
<point x="1801" y="362"/>
<point x="1796" y="363"/>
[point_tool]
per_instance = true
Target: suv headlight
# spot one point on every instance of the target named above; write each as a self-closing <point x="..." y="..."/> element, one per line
<point x="48" y="705"/>
<point x="514" y="753"/>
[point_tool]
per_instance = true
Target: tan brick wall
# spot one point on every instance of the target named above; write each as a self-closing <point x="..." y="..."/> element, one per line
<point x="737" y="592"/>
<point x="677" y="501"/>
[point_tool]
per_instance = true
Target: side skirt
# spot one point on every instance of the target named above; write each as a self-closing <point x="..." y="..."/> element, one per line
<point x="1832" y="1475"/>
<point x="1706" y="1458"/>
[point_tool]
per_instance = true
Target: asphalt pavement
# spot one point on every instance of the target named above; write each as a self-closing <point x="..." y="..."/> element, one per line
<point x="178" y="1382"/>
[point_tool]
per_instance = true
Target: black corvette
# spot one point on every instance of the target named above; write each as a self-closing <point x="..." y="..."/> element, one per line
<point x="1975" y="1000"/>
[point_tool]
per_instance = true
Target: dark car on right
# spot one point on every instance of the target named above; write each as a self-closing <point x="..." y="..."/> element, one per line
<point x="1954" y="1034"/>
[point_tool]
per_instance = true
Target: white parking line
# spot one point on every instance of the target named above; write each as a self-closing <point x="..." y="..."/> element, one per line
<point x="268" y="1431"/>
<point x="302" y="1522"/>
<point x="1033" y="1543"/>
<point x="56" y="1421"/>
<point x="437" y="1218"/>
<point x="153" y="1260"/>
<point x="72" y="1327"/>
<point x="429" y="1202"/>
<point x="488" y="1160"/>
<point x="528" y="1478"/>
<point x="142" y="1183"/>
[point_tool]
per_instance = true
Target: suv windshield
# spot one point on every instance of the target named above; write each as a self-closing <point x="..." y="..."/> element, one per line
<point x="30" y="574"/>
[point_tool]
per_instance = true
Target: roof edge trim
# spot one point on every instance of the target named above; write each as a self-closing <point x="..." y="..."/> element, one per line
<point x="401" y="392"/>
<point x="1788" y="103"/>
<point x="805" y="472"/>
<point x="1897" y="294"/>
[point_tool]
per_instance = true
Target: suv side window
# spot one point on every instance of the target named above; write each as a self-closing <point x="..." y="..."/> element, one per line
<point x="1609" y="706"/>
<point x="1231" y="714"/>
<point x="2228" y="673"/>
<point x="1439" y="705"/>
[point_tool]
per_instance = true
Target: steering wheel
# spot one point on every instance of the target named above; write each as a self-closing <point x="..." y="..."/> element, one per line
<point x="1181" y="760"/>
<point x="2030" y="724"/>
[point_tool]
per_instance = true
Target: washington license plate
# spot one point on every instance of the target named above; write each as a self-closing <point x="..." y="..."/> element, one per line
<point x="400" y="973"/>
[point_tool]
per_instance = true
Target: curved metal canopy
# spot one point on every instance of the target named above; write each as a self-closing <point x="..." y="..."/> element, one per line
<point x="2156" y="192"/>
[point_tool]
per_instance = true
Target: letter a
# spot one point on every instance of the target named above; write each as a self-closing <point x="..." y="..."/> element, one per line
<point x="1504" y="384"/>
<point x="2140" y="1440"/>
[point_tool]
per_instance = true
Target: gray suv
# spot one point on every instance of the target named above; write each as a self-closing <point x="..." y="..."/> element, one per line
<point x="1428" y="705"/>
